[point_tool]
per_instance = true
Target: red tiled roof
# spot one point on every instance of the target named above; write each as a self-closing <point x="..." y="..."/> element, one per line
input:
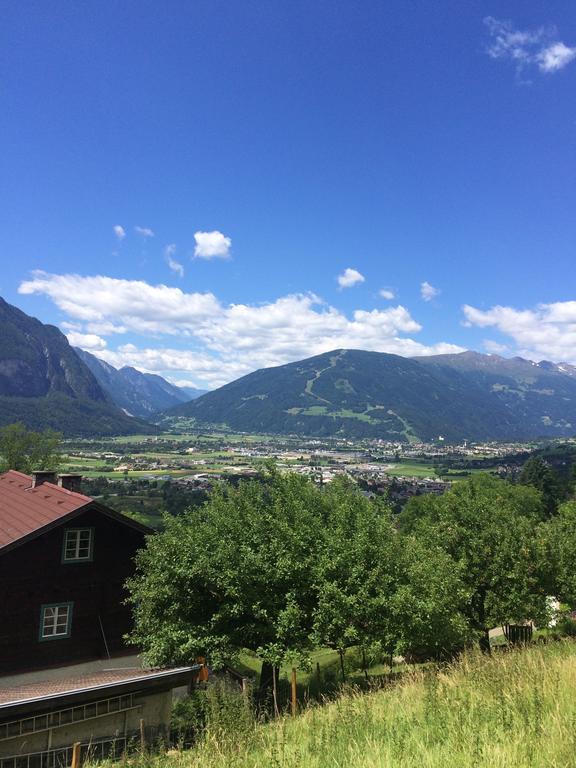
<point x="25" y="510"/>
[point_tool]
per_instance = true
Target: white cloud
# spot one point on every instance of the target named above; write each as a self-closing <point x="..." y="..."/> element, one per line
<point x="222" y="341"/>
<point x="144" y="231"/>
<point x="555" y="57"/>
<point x="212" y="245"/>
<point x="180" y="382"/>
<point x="132" y="304"/>
<point x="387" y="294"/>
<point x="527" y="48"/>
<point x="205" y="371"/>
<point x="545" y="332"/>
<point x="89" y="341"/>
<point x="104" y="328"/>
<point x="350" y="277"/>
<point x="119" y="231"/>
<point x="495" y="348"/>
<point x="427" y="291"/>
<point x="174" y="265"/>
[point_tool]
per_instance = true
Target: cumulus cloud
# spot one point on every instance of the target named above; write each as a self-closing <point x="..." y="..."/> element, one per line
<point x="555" y="57"/>
<point x="144" y="231"/>
<point x="222" y="341"/>
<point x="350" y="277"/>
<point x="89" y="341"/>
<point x="212" y="245"/>
<point x="387" y="294"/>
<point x="546" y="332"/>
<point x="132" y="304"/>
<point x="527" y="48"/>
<point x="174" y="265"/>
<point x="427" y="291"/>
<point x="205" y="371"/>
<point x="119" y="231"/>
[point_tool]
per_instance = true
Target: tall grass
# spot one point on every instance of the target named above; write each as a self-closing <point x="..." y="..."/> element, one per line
<point x="514" y="709"/>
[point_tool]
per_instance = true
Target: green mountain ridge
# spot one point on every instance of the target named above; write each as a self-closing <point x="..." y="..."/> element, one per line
<point x="353" y="393"/>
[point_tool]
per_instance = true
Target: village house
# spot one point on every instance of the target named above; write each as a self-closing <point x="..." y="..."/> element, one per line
<point x="64" y="559"/>
<point x="66" y="672"/>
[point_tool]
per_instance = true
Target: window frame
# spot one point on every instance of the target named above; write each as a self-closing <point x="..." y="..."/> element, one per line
<point x="61" y="636"/>
<point x="78" y="531"/>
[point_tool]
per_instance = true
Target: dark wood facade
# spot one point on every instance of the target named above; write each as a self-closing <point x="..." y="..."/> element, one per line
<point x="35" y="574"/>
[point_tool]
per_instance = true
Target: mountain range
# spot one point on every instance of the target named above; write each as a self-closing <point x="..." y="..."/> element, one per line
<point x="46" y="383"/>
<point x="138" y="394"/>
<point x="352" y="393"/>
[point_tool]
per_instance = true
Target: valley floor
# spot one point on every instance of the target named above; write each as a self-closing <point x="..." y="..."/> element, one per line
<point x="515" y="709"/>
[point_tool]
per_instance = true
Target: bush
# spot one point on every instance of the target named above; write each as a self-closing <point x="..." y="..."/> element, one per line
<point x="220" y="711"/>
<point x="566" y="626"/>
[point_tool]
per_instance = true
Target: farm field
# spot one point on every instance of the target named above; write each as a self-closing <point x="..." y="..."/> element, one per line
<point x="202" y="459"/>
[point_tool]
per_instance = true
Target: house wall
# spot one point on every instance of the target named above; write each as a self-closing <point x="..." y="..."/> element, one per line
<point x="153" y="708"/>
<point x="33" y="575"/>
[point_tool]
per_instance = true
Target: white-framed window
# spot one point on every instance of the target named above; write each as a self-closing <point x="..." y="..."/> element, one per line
<point x="55" y="621"/>
<point x="78" y="545"/>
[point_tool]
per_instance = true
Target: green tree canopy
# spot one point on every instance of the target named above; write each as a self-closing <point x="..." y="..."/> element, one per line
<point x="489" y="529"/>
<point x="356" y="572"/>
<point x="235" y="573"/>
<point x="26" y="451"/>
<point x="429" y="607"/>
<point x="538" y="474"/>
<point x="559" y="536"/>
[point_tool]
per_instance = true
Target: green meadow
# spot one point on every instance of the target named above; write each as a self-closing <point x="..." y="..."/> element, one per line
<point x="516" y="709"/>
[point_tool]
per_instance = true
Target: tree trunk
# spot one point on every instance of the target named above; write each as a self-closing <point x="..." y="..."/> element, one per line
<point x="485" y="642"/>
<point x="265" y="693"/>
<point x="275" y="690"/>
<point x="341" y="652"/>
<point x="484" y="637"/>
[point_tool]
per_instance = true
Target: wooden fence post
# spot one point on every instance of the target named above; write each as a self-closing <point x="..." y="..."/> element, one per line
<point x="76" y="755"/>
<point x="142" y="736"/>
<point x="294" y="691"/>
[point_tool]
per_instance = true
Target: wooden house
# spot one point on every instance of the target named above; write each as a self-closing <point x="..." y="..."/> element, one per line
<point x="64" y="560"/>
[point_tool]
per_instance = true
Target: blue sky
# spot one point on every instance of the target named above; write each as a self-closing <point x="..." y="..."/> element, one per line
<point x="264" y="148"/>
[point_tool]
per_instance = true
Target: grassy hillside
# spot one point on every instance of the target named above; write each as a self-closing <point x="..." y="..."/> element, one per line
<point x="516" y="709"/>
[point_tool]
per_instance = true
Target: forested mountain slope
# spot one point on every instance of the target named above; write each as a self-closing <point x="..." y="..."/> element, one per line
<point x="372" y="394"/>
<point x="44" y="383"/>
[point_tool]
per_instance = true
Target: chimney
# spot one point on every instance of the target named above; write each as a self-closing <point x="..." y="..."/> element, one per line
<point x="43" y="476"/>
<point x="70" y="482"/>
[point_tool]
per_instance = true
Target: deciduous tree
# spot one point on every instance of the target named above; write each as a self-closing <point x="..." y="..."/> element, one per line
<point x="25" y="450"/>
<point x="356" y="573"/>
<point x="538" y="474"/>
<point x="235" y="573"/>
<point x="489" y="529"/>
